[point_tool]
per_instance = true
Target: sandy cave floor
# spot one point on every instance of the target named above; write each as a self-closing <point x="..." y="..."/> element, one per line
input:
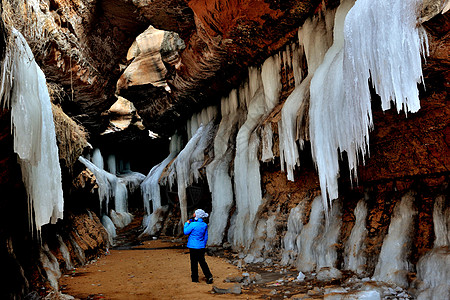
<point x="160" y="269"/>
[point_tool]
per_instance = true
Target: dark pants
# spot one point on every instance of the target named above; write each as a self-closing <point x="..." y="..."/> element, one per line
<point x="198" y="257"/>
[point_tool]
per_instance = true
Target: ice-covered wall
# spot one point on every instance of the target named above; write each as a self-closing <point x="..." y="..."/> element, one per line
<point x="23" y="89"/>
<point x="151" y="193"/>
<point x="112" y="187"/>
<point x="433" y="269"/>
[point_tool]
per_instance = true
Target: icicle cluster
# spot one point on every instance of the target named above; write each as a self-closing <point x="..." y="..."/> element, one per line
<point x="393" y="265"/>
<point x="112" y="187"/>
<point x="185" y="167"/>
<point x="151" y="191"/>
<point x="315" y="39"/>
<point x="218" y="170"/>
<point x="23" y="88"/>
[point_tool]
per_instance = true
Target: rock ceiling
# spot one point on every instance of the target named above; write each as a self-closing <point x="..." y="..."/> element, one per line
<point x="84" y="46"/>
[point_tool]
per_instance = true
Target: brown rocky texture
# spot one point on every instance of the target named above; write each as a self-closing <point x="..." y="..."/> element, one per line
<point x="79" y="44"/>
<point x="227" y="38"/>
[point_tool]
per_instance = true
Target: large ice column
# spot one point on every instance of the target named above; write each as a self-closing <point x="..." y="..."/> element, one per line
<point x="315" y="39"/>
<point x="181" y="167"/>
<point x="328" y="112"/>
<point x="150" y="189"/>
<point x="389" y="53"/>
<point x="120" y="215"/>
<point x="294" y="227"/>
<point x="218" y="171"/>
<point x="97" y="158"/>
<point x="107" y="183"/>
<point x="246" y="180"/>
<point x="354" y="253"/>
<point x="306" y="260"/>
<point x="433" y="271"/>
<point x="111" y="164"/>
<point x="325" y="245"/>
<point x="393" y="265"/>
<point x="23" y="88"/>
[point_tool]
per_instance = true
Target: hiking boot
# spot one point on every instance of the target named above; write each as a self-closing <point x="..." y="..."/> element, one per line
<point x="209" y="280"/>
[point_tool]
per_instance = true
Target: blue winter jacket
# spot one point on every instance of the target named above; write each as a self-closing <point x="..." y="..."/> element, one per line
<point x="198" y="234"/>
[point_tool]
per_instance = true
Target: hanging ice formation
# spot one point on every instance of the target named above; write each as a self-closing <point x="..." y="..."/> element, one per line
<point x="151" y="193"/>
<point x="112" y="187"/>
<point x="433" y="272"/>
<point x="365" y="47"/>
<point x="185" y="167"/>
<point x="354" y="258"/>
<point x="23" y="88"/>
<point x="393" y="266"/>
<point x="247" y="178"/>
<point x="217" y="171"/>
<point x="315" y="37"/>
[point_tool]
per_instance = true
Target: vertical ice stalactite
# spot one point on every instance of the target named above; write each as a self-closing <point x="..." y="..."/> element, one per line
<point x="106" y="184"/>
<point x="433" y="271"/>
<point x="218" y="171"/>
<point x="294" y="227"/>
<point x="327" y="111"/>
<point x="23" y="88"/>
<point x="111" y="164"/>
<point x="151" y="190"/>
<point x="354" y="253"/>
<point x="314" y="38"/>
<point x="97" y="159"/>
<point x="244" y="222"/>
<point x="271" y="81"/>
<point x="393" y="266"/>
<point x="306" y="261"/>
<point x="246" y="163"/>
<point x="110" y="228"/>
<point x="325" y="246"/>
<point x="185" y="167"/>
<point x="365" y="47"/>
<point x="180" y="167"/>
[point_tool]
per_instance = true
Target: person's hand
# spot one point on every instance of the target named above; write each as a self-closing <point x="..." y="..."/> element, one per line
<point x="188" y="221"/>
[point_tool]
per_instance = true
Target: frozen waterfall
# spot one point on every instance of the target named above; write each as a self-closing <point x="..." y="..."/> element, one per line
<point x="387" y="53"/>
<point x="151" y="193"/>
<point x="23" y="88"/>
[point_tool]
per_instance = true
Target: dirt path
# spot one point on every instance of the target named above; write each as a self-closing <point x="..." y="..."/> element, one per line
<point x="155" y="270"/>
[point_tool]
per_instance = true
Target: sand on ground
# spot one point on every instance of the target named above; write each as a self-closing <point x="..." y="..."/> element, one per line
<point x="146" y="272"/>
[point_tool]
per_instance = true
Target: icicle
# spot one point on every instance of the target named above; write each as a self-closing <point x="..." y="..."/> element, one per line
<point x="106" y="184"/>
<point x="325" y="246"/>
<point x="433" y="270"/>
<point x="354" y="258"/>
<point x="393" y="266"/>
<point x="294" y="227"/>
<point x="314" y="38"/>
<point x="328" y="112"/>
<point x="271" y="80"/>
<point x="246" y="180"/>
<point x="150" y="186"/>
<point x="267" y="141"/>
<point x="24" y="89"/>
<point x="97" y="159"/>
<point x="111" y="163"/>
<point x="110" y="228"/>
<point x="217" y="172"/>
<point x="181" y="167"/>
<point x="306" y="261"/>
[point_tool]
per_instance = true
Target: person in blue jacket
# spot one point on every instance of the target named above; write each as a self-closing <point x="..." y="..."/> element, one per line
<point x="197" y="230"/>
